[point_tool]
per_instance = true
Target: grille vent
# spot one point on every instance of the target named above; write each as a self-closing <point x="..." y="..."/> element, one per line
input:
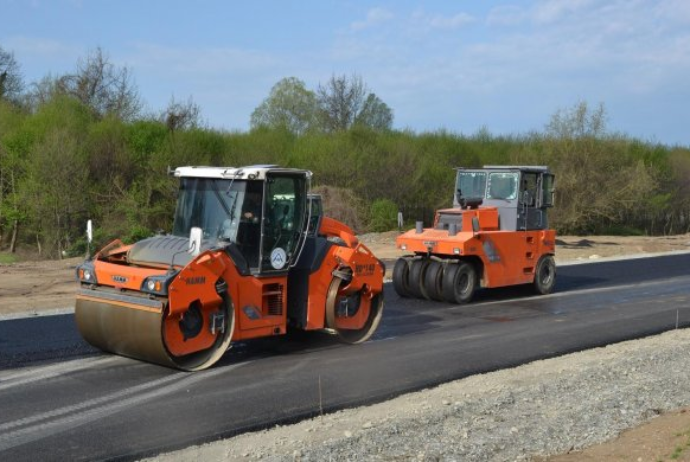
<point x="273" y="299"/>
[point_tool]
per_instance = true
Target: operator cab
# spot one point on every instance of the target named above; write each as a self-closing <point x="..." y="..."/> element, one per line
<point x="521" y="194"/>
<point x="260" y="210"/>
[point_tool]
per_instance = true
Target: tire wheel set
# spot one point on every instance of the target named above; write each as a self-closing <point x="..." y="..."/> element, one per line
<point x="452" y="281"/>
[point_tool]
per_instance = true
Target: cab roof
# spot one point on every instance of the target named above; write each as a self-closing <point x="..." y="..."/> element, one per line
<point x="522" y="168"/>
<point x="250" y="172"/>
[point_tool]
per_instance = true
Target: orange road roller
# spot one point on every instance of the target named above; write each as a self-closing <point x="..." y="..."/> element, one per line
<point x="250" y="255"/>
<point x="495" y="235"/>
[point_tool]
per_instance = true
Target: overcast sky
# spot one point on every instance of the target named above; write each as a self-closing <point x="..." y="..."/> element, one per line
<point x="457" y="65"/>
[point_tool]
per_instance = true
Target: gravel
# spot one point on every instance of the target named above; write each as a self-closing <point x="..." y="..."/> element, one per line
<point x="546" y="407"/>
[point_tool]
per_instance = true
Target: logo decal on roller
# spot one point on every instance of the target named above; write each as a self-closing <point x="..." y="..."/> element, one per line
<point x="278" y="258"/>
<point x="195" y="280"/>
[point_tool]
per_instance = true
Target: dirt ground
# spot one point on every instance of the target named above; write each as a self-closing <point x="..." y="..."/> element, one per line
<point x="568" y="248"/>
<point x="664" y="438"/>
<point x="34" y="287"/>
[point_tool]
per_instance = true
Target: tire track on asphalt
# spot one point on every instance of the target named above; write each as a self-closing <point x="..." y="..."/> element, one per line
<point x="35" y="374"/>
<point x="40" y="426"/>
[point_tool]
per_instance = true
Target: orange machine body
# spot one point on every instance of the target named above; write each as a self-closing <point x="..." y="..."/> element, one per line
<point x="157" y="300"/>
<point x="503" y="258"/>
<point x="496" y="235"/>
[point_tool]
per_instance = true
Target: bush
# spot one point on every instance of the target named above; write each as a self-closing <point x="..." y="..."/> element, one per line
<point x="137" y="233"/>
<point x="383" y="215"/>
<point x="80" y="245"/>
<point x="7" y="258"/>
<point x="343" y="205"/>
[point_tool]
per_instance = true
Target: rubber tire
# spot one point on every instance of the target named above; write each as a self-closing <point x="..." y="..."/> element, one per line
<point x="459" y="283"/>
<point x="433" y="281"/>
<point x="401" y="274"/>
<point x="416" y="278"/>
<point x="545" y="275"/>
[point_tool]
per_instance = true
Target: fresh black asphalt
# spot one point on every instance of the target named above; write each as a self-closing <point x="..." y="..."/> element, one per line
<point x="62" y="400"/>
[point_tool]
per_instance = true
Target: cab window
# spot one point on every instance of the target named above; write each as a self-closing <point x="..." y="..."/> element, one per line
<point x="502" y="186"/>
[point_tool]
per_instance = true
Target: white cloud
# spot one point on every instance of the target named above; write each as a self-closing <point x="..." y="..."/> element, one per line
<point x="674" y="10"/>
<point x="581" y="49"/>
<point x="550" y="11"/>
<point x="374" y="17"/>
<point x="22" y="45"/>
<point x="202" y="61"/>
<point x="450" y="22"/>
<point x="506" y="15"/>
<point x="423" y="21"/>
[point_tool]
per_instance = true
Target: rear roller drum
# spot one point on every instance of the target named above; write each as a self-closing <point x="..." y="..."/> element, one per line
<point x="433" y="279"/>
<point x="354" y="317"/>
<point x="401" y="275"/>
<point x="459" y="283"/>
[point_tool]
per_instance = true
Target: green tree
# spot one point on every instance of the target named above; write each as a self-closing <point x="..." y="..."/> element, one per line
<point x="375" y="114"/>
<point x="181" y="115"/>
<point x="53" y="191"/>
<point x="11" y="82"/>
<point x="289" y="106"/>
<point x="345" y="101"/>
<point x="107" y="89"/>
<point x="579" y="121"/>
<point x="600" y="184"/>
<point x="11" y="118"/>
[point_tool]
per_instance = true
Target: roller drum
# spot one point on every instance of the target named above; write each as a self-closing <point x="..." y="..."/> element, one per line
<point x="137" y="332"/>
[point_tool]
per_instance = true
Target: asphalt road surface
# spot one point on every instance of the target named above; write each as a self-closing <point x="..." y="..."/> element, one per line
<point x="62" y="400"/>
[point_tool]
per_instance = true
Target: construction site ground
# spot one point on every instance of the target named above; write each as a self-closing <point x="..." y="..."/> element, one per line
<point x="32" y="287"/>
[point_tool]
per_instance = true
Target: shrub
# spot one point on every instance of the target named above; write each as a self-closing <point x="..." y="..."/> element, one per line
<point x="343" y="205"/>
<point x="137" y="233"/>
<point x="383" y="215"/>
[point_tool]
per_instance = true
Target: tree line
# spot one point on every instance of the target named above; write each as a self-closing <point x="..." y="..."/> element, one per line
<point x="78" y="146"/>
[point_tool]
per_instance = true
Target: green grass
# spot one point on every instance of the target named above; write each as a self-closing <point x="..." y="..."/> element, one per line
<point x="620" y="230"/>
<point x="678" y="451"/>
<point x="7" y="258"/>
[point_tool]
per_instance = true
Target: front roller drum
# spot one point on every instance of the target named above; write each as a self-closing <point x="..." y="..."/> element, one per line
<point x="138" y="332"/>
<point x="353" y="316"/>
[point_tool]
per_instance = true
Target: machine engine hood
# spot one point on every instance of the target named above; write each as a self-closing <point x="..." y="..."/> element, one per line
<point x="160" y="250"/>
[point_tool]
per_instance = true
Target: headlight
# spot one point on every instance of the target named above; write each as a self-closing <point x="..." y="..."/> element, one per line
<point x="158" y="285"/>
<point x="86" y="273"/>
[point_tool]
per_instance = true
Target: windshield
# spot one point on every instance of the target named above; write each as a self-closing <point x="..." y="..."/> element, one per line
<point x="214" y="205"/>
<point x="471" y="184"/>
